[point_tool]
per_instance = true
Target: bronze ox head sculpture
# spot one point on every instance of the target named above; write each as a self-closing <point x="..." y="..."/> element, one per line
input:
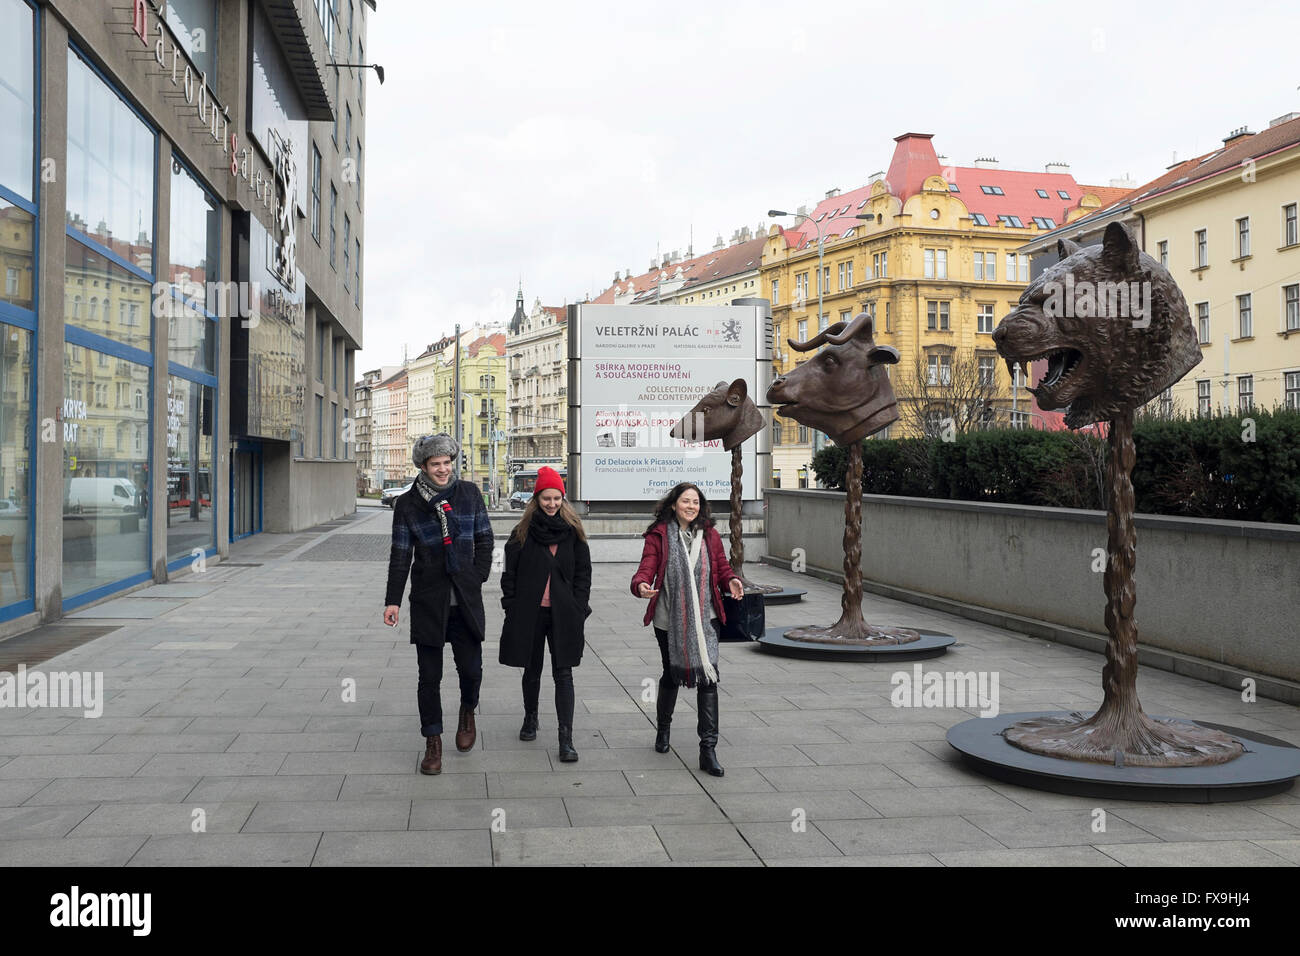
<point x="1112" y="324"/>
<point x="727" y="412"/>
<point x="844" y="390"/>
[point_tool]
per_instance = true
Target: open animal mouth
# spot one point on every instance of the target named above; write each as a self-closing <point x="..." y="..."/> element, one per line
<point x="1061" y="363"/>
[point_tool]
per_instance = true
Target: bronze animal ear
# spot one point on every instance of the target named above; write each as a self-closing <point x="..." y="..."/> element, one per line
<point x="736" y="393"/>
<point x="1120" y="249"/>
<point x="1066" y="248"/>
<point x="883" y="355"/>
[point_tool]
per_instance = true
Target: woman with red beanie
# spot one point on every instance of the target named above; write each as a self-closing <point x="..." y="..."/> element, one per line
<point x="545" y="592"/>
<point x="683" y="558"/>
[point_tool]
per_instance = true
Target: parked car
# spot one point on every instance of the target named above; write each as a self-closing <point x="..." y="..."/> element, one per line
<point x="390" y="495"/>
<point x="519" y="500"/>
<point x="102" y="495"/>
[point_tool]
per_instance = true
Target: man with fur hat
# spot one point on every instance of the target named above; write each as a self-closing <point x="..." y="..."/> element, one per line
<point x="442" y="525"/>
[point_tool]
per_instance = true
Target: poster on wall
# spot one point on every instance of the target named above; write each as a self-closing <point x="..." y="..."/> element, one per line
<point x="642" y="368"/>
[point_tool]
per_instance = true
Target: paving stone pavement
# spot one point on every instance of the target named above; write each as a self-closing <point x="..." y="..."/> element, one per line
<point x="226" y="704"/>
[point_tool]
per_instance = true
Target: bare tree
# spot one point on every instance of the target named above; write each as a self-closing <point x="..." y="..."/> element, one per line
<point x="950" y="396"/>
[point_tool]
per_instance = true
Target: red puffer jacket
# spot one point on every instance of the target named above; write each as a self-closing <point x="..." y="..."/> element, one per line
<point x="654" y="559"/>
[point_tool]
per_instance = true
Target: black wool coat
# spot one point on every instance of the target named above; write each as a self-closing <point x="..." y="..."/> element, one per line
<point x="522" y="583"/>
<point x="417" y="547"/>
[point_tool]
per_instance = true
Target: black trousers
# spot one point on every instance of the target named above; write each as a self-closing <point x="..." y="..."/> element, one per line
<point x="706" y="698"/>
<point x="467" y="651"/>
<point x="532" y="683"/>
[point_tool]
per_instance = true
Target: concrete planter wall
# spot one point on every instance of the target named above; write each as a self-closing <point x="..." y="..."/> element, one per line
<point x="1224" y="592"/>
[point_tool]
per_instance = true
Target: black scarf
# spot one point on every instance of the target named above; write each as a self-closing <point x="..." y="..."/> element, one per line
<point x="547" y="530"/>
<point x="440" y="500"/>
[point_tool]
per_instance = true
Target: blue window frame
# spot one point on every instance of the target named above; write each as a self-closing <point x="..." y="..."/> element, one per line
<point x="20" y="107"/>
<point x="110" y="230"/>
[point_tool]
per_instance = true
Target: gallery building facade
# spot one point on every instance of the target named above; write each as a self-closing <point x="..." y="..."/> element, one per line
<point x="181" y="235"/>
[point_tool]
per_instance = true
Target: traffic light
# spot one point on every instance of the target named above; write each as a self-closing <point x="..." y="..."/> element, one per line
<point x="464" y="463"/>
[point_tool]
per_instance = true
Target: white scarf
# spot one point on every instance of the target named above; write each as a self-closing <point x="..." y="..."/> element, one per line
<point x="692" y="560"/>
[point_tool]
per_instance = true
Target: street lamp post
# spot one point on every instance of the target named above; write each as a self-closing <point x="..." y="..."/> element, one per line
<point x="818" y="437"/>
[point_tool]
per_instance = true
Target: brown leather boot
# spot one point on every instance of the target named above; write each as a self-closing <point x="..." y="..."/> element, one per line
<point x="465" y="732"/>
<point x="432" y="762"/>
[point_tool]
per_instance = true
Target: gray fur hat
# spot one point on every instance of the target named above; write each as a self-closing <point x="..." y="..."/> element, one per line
<point x="434" y="446"/>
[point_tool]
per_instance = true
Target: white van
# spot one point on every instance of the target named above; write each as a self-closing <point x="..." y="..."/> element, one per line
<point x="101" y="495"/>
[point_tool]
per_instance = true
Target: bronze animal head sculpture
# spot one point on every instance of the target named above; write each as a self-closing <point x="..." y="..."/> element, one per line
<point x="1112" y="324"/>
<point x="727" y="412"/>
<point x="842" y="391"/>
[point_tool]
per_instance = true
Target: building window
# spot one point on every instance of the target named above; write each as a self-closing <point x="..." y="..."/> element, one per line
<point x="776" y="431"/>
<point x="1203" y="397"/>
<point x="195" y="219"/>
<point x="978" y="219"/>
<point x="1041" y="193"/>
<point x="939" y="369"/>
<point x="1291" y="297"/>
<point x="803" y="330"/>
<point x="334" y="204"/>
<point x="1290" y="233"/>
<point x="979" y="266"/>
<point x="356" y="275"/>
<point x="1063" y="194"/>
<point x="936" y="263"/>
<point x="803" y="434"/>
<point x="1202" y="249"/>
<point x="1024" y="268"/>
<point x="1203" y="322"/>
<point x="1167" y="403"/>
<point x="315" y="193"/>
<point x="826" y="280"/>
<point x="1245" y="393"/>
<point x="880" y="262"/>
<point x="776" y="291"/>
<point x="1244" y="324"/>
<point x="936" y="316"/>
<point x="842" y="285"/>
<point x="320" y="427"/>
<point x="986" y="369"/>
<point x="1243" y="237"/>
<point x="1291" y="390"/>
<point x="888" y="327"/>
<point x="1044" y="222"/>
<point x="347" y="252"/>
<point x="848" y="273"/>
<point x="1011" y="267"/>
<point x="322" y="337"/>
<point x="991" y="190"/>
<point x="984" y="318"/>
<point x="1162" y="252"/>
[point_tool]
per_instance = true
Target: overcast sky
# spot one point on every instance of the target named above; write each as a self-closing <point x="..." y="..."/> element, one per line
<point x="560" y="142"/>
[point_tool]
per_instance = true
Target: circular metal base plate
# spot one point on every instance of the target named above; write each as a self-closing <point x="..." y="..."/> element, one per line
<point x="784" y="596"/>
<point x="931" y="644"/>
<point x="1268" y="766"/>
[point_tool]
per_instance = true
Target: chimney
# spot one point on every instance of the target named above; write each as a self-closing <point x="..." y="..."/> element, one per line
<point x="1238" y="134"/>
<point x="1126" y="182"/>
<point x="986" y="162"/>
<point x="832" y="193"/>
<point x="719" y="244"/>
<point x="1057" y="167"/>
<point x="654" y="264"/>
<point x="1284" y="118"/>
<point x="745" y="234"/>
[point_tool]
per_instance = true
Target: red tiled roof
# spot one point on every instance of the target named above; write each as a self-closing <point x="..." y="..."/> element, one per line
<point x="695" y="269"/>
<point x="497" y="340"/>
<point x="1254" y="147"/>
<point x="394" y="380"/>
<point x="558" y="312"/>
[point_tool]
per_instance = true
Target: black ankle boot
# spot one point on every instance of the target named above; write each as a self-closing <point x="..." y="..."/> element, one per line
<point x="664" y="705"/>
<point x="529" y="730"/>
<point x="707" y="705"/>
<point x="567" y="753"/>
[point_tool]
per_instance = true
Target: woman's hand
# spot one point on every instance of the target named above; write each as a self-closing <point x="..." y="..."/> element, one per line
<point x="646" y="591"/>
<point x="737" y="589"/>
<point x="390" y="615"/>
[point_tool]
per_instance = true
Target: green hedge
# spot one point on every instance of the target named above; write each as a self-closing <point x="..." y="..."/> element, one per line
<point x="1199" y="467"/>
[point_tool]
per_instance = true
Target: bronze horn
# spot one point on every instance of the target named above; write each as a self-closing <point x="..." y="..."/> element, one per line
<point x="837" y="334"/>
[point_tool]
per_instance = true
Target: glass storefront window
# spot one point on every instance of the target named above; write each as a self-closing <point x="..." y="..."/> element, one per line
<point x="15" y="462"/>
<point x="105" y="469"/>
<point x="195" y="241"/>
<point x="17" y="96"/>
<point x="110" y="168"/>
<point x="17" y="267"/>
<point x="189" y="468"/>
<point x="102" y="297"/>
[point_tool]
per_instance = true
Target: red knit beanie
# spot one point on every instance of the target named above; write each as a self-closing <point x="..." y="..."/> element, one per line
<point x="548" y="478"/>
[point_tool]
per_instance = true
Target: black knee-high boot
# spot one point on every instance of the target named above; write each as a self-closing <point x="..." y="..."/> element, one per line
<point x="664" y="704"/>
<point x="707" y="705"/>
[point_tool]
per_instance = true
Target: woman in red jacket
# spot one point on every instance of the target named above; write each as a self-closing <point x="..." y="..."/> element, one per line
<point x="683" y="558"/>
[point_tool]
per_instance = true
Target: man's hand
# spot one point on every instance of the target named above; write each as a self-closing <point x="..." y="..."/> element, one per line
<point x="390" y="615"/>
<point x="646" y="591"/>
<point x="737" y="589"/>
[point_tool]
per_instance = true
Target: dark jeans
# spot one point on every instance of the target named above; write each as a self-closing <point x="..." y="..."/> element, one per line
<point x="706" y="696"/>
<point x="563" y="676"/>
<point x="467" y="651"/>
